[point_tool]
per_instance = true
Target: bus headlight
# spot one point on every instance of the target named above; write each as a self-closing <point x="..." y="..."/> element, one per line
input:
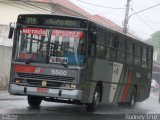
<point x="73" y="86"/>
<point x="18" y="81"/>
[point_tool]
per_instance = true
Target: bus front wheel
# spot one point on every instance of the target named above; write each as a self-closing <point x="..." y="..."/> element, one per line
<point x="91" y="107"/>
<point x="34" y="101"/>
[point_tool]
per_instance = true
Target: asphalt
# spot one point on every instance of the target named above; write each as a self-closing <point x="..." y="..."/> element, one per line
<point x="4" y="95"/>
<point x="12" y="107"/>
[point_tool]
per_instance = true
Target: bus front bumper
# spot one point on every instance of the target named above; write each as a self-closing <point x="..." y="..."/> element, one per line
<point x="46" y="92"/>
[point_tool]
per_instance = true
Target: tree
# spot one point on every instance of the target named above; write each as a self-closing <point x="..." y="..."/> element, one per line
<point x="155" y="41"/>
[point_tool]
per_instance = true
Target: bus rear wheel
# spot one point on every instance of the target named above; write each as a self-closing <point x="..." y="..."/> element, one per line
<point x="34" y="101"/>
<point x="132" y="99"/>
<point x="91" y="107"/>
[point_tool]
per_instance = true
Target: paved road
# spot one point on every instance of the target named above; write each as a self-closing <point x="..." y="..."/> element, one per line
<point x="17" y="107"/>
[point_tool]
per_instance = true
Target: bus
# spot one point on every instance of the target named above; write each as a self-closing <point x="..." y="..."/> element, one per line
<point x="78" y="61"/>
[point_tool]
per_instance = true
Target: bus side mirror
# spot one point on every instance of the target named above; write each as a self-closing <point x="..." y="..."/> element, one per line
<point x="11" y="31"/>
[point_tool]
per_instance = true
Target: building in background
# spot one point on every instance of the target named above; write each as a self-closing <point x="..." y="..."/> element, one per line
<point x="65" y="7"/>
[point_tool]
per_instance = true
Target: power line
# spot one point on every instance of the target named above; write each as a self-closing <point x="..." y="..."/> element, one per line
<point x="155" y="1"/>
<point x="143" y="20"/>
<point x="35" y="6"/>
<point x="151" y="21"/>
<point x="142" y="32"/>
<point x="38" y="7"/>
<point x="99" y="17"/>
<point x="105" y="12"/>
<point x="28" y="6"/>
<point x="111" y="26"/>
<point x="144" y="10"/>
<point x="87" y="8"/>
<point x="135" y="13"/>
<point x="18" y="7"/>
<point x="148" y="18"/>
<point x="99" y="5"/>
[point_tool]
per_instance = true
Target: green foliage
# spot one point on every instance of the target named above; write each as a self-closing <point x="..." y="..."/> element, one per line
<point x="155" y="41"/>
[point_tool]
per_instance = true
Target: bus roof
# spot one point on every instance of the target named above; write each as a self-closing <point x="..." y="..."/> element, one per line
<point x="74" y="17"/>
<point x="89" y="20"/>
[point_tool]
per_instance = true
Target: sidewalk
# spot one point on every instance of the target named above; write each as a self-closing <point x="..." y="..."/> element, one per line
<point x="4" y="95"/>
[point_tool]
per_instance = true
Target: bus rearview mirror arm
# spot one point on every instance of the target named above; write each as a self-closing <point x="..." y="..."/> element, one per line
<point x="11" y="30"/>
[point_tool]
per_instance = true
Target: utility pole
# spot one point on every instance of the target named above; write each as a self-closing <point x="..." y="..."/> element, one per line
<point x="126" y="17"/>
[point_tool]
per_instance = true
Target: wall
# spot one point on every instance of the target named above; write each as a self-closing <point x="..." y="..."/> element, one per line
<point x="5" y="56"/>
<point x="5" y="62"/>
<point x="14" y="8"/>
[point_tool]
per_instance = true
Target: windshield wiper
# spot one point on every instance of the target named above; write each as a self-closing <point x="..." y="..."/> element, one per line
<point x="29" y="61"/>
<point x="65" y="65"/>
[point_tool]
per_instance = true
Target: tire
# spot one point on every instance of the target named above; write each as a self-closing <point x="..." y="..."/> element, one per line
<point x="91" y="107"/>
<point x="132" y="99"/>
<point x="122" y="104"/>
<point x="34" y="101"/>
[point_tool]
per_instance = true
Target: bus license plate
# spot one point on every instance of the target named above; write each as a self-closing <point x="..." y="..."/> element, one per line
<point x="42" y="90"/>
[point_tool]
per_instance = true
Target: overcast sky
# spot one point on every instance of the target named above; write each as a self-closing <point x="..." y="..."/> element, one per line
<point x="143" y="24"/>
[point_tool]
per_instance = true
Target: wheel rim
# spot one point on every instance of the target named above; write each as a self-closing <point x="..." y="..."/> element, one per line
<point x="96" y="98"/>
<point x="133" y="100"/>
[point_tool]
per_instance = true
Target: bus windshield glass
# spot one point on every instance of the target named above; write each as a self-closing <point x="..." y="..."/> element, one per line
<point x="33" y="44"/>
<point x="52" y="46"/>
<point x="67" y="47"/>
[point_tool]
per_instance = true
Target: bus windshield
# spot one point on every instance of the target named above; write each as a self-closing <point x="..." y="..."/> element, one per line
<point x="61" y="46"/>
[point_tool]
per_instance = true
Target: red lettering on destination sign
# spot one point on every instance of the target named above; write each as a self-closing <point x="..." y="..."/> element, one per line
<point x="36" y="31"/>
<point x="67" y="33"/>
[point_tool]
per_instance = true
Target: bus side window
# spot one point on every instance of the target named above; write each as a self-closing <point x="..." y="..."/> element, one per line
<point x="137" y="55"/>
<point x="121" y="50"/>
<point x="129" y="52"/>
<point x="113" y="49"/>
<point x="144" y="57"/>
<point x="100" y="51"/>
<point x="101" y="37"/>
<point x="149" y="59"/>
<point x="100" y="44"/>
<point x="149" y="64"/>
<point x="92" y="44"/>
<point x="111" y="46"/>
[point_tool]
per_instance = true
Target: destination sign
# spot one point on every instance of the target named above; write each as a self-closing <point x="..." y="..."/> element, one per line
<point x="35" y="31"/>
<point x="68" y="33"/>
<point x="31" y="20"/>
<point x="59" y="21"/>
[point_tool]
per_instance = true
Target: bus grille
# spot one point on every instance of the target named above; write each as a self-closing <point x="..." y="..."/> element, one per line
<point x="45" y="77"/>
<point x="49" y="83"/>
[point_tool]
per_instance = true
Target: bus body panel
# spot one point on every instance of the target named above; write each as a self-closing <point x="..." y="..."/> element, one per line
<point x="116" y="77"/>
<point x="53" y="93"/>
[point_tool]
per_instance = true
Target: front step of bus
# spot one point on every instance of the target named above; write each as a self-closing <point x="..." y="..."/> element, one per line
<point x="49" y="99"/>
